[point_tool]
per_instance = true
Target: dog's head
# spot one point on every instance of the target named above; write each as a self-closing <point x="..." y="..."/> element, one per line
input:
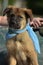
<point x="17" y="17"/>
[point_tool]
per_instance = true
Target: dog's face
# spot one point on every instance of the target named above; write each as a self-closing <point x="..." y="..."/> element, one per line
<point x="17" y="17"/>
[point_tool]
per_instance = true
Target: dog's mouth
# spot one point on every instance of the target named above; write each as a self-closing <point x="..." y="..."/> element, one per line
<point x="15" y="25"/>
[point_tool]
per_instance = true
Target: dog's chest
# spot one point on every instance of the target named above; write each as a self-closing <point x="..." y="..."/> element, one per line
<point x="21" y="37"/>
<point x="24" y="38"/>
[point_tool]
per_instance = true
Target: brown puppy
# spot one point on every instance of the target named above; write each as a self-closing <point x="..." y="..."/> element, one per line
<point x="20" y="47"/>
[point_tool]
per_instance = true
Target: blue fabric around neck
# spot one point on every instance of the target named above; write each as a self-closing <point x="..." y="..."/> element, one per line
<point x="30" y="32"/>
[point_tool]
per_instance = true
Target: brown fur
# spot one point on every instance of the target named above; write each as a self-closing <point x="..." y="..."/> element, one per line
<point x="20" y="48"/>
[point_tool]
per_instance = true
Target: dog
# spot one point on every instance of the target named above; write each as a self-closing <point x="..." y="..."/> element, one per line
<point x="20" y="47"/>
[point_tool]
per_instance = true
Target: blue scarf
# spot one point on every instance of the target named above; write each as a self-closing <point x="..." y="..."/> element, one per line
<point x="30" y="32"/>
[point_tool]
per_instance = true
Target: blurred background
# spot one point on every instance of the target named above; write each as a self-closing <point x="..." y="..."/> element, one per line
<point x="35" y="5"/>
<point x="37" y="9"/>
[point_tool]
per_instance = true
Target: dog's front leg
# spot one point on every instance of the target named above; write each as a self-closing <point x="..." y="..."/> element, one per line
<point x="33" y="56"/>
<point x="12" y="60"/>
<point x="11" y="48"/>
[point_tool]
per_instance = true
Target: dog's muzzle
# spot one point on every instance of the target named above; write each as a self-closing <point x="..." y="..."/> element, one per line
<point x="15" y="22"/>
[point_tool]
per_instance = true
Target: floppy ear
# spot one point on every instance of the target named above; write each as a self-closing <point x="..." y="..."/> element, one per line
<point x="7" y="11"/>
<point x="28" y="13"/>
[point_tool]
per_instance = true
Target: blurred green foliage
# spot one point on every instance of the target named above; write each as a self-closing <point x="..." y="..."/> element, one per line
<point x="36" y="6"/>
<point x="11" y="2"/>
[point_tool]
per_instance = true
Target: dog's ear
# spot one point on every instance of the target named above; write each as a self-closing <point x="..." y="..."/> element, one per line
<point x="28" y="13"/>
<point x="7" y="11"/>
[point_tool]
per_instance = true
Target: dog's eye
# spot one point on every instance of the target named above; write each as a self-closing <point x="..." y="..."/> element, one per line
<point x="12" y="15"/>
<point x="20" y="17"/>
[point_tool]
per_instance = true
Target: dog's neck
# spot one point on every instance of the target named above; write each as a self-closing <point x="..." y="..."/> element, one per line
<point x="10" y="31"/>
